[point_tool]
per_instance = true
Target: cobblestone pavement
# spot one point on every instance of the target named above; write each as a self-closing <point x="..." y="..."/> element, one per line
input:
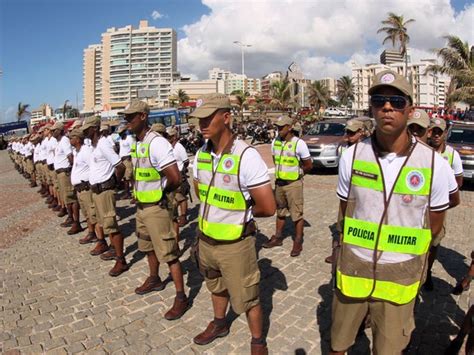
<point x="56" y="298"/>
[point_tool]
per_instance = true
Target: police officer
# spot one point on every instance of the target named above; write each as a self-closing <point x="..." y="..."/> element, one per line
<point x="182" y="160"/>
<point x="292" y="160"/>
<point x="394" y="194"/>
<point x="125" y="146"/>
<point x="51" y="143"/>
<point x="106" y="169"/>
<point x="62" y="165"/>
<point x="436" y="137"/>
<point x="156" y="174"/>
<point x="80" y="180"/>
<point x="232" y="183"/>
<point x="418" y="124"/>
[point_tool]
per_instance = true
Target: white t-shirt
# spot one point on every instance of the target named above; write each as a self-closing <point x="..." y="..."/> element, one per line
<point x="81" y="165"/>
<point x="63" y="149"/>
<point x="391" y="165"/>
<point x="457" y="164"/>
<point x="103" y="162"/>
<point x="37" y="153"/>
<point x="87" y="141"/>
<point x="161" y="155"/>
<point x="51" y="147"/>
<point x="302" y="151"/>
<point x="180" y="155"/>
<point x="44" y="149"/>
<point x="28" y="149"/>
<point x="125" y="146"/>
<point x="253" y="171"/>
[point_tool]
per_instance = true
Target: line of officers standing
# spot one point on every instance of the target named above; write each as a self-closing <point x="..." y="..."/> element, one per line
<point x="393" y="188"/>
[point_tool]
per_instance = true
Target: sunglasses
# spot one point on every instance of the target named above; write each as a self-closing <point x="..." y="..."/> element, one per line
<point x="396" y="101"/>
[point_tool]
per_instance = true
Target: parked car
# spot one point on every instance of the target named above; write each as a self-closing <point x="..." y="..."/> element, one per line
<point x="334" y="111"/>
<point x="461" y="137"/>
<point x="323" y="140"/>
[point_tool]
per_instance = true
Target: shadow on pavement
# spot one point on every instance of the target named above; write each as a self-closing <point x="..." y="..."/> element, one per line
<point x="271" y="279"/>
<point x="194" y="278"/>
<point x="453" y="262"/>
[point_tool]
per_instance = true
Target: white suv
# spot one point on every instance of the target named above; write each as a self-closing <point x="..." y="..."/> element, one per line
<point x="334" y="111"/>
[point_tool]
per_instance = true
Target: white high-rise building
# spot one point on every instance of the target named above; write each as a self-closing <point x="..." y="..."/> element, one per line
<point x="428" y="89"/>
<point x="129" y="62"/>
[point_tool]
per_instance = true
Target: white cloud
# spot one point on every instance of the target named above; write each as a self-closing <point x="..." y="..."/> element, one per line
<point x="156" y="15"/>
<point x="323" y="37"/>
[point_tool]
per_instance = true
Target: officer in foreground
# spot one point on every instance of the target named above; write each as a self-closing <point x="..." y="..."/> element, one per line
<point x="394" y="194"/>
<point x="233" y="186"/>
<point x="156" y="175"/>
<point x="292" y="160"/>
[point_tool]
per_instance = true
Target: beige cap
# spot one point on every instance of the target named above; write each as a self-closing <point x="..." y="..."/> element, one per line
<point x="354" y="125"/>
<point x="77" y="132"/>
<point x="93" y="121"/>
<point x="158" y="127"/>
<point x="439" y="123"/>
<point x="47" y="126"/>
<point x="419" y="117"/>
<point x="283" y="120"/>
<point x="207" y="104"/>
<point x="172" y="132"/>
<point x="77" y="123"/>
<point x="58" y="125"/>
<point x="136" y="106"/>
<point x="104" y="127"/>
<point x="392" y="79"/>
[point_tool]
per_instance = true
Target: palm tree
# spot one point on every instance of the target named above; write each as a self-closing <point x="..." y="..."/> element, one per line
<point x="318" y="95"/>
<point x="396" y="30"/>
<point x="458" y="63"/>
<point x="65" y="109"/>
<point x="182" y="96"/>
<point x="21" y="112"/>
<point x="280" y="93"/>
<point x="242" y="99"/>
<point x="345" y="90"/>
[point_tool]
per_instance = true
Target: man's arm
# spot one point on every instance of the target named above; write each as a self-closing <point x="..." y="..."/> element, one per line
<point x="119" y="171"/>
<point x="306" y="165"/>
<point x="264" y="201"/>
<point x="173" y="177"/>
<point x="459" y="180"/>
<point x="454" y="199"/>
<point x="436" y="220"/>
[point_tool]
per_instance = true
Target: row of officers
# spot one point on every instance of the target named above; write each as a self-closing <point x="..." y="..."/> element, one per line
<point x="394" y="191"/>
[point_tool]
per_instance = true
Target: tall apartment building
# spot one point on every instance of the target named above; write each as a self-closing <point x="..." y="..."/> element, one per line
<point x="219" y="74"/>
<point x="428" y="88"/>
<point x="128" y="62"/>
<point x="331" y="84"/>
<point x="391" y="56"/>
<point x="268" y="80"/>
<point x="196" y="88"/>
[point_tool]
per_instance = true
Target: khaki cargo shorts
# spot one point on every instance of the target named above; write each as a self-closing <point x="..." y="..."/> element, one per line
<point x="289" y="200"/>
<point x="30" y="168"/>
<point x="391" y="324"/>
<point x="66" y="190"/>
<point x="156" y="233"/>
<point x="237" y="263"/>
<point x="87" y="206"/>
<point x="104" y="204"/>
<point x="128" y="169"/>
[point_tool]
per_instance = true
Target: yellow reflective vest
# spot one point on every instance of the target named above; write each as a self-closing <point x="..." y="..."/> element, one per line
<point x="394" y="222"/>
<point x="147" y="182"/>
<point x="223" y="209"/>
<point x="287" y="166"/>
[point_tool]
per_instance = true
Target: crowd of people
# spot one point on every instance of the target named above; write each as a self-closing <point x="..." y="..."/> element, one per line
<point x="396" y="181"/>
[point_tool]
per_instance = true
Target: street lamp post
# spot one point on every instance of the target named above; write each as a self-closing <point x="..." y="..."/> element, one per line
<point x="242" y="47"/>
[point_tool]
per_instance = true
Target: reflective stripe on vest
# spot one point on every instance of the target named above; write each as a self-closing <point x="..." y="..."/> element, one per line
<point x="399" y="226"/>
<point x="147" y="178"/>
<point x="223" y="207"/>
<point x="286" y="163"/>
<point x="448" y="154"/>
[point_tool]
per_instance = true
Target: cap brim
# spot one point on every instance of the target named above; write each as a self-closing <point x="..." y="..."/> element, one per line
<point x="378" y="86"/>
<point x="203" y="112"/>
<point x="421" y="124"/>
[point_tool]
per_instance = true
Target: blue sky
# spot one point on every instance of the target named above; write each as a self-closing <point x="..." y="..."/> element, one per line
<point x="41" y="41"/>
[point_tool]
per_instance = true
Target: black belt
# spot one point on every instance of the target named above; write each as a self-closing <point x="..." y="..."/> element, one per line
<point x="63" y="170"/>
<point x="128" y="157"/>
<point x="42" y="161"/>
<point x="280" y="182"/>
<point x="249" y="229"/>
<point x="163" y="203"/>
<point x="51" y="167"/>
<point x="104" y="186"/>
<point x="82" y="186"/>
<point x="29" y="158"/>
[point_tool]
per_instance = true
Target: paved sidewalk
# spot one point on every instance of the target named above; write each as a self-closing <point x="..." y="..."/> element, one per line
<point x="56" y="298"/>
